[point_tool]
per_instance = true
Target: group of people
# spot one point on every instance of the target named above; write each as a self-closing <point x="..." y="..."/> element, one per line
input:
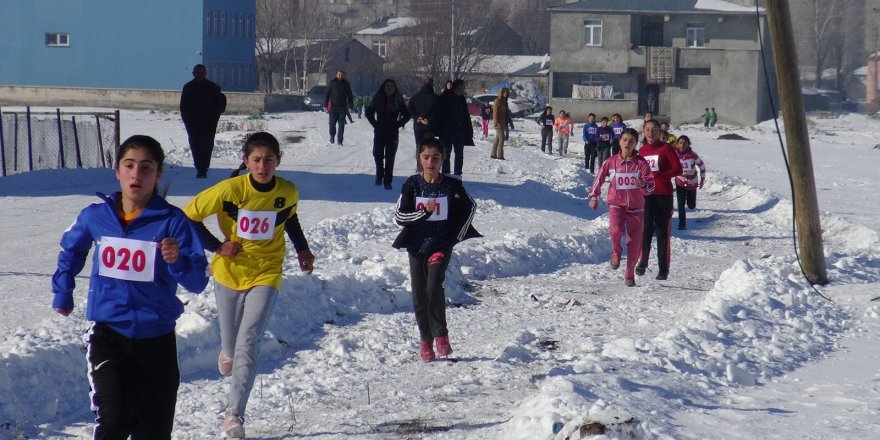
<point x="640" y="192"/>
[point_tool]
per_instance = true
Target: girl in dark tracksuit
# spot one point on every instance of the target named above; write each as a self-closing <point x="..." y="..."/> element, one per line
<point x="144" y="248"/>
<point x="436" y="213"/>
<point x="545" y="121"/>
<point x="387" y="114"/>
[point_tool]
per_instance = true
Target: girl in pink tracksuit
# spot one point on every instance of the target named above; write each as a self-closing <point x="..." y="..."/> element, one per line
<point x="631" y="180"/>
<point x="686" y="185"/>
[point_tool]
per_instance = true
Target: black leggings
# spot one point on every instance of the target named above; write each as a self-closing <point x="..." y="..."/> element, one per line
<point x="427" y="272"/>
<point x="658" y="212"/>
<point x="685" y="196"/>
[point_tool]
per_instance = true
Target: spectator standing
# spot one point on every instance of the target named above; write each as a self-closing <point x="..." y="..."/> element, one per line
<point x="713" y="117"/>
<point x="387" y="114"/>
<point x="501" y="118"/>
<point x="201" y="104"/>
<point x="338" y="101"/>
<point x="455" y="127"/>
<point x="486" y="117"/>
<point x="706" y="117"/>
<point x="422" y="108"/>
<point x="545" y="120"/>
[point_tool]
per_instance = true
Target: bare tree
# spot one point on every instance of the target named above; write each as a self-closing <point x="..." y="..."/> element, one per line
<point x="828" y="26"/>
<point x="531" y="20"/>
<point x="272" y="38"/>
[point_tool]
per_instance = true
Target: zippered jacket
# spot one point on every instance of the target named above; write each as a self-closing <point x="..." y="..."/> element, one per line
<point x="591" y="130"/>
<point x="664" y="163"/>
<point x="427" y="232"/>
<point x="563" y="125"/>
<point x="621" y="193"/>
<point x="135" y="309"/>
<point x="690" y="163"/>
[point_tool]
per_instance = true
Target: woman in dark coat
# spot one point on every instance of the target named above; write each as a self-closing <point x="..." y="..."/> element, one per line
<point x="387" y="114"/>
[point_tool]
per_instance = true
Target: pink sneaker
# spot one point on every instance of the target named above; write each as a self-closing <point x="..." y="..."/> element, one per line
<point x="615" y="260"/>
<point x="232" y="427"/>
<point x="224" y="364"/>
<point x="443" y="348"/>
<point x="629" y="283"/>
<point x="426" y="352"/>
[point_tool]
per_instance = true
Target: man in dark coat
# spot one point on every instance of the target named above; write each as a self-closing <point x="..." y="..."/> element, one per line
<point x="455" y="127"/>
<point x="201" y="104"/>
<point x="421" y="107"/>
<point x="339" y="102"/>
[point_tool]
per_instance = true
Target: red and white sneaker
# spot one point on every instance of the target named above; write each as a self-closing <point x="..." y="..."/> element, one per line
<point x="232" y="427"/>
<point x="443" y="347"/>
<point x="224" y="364"/>
<point x="426" y="352"/>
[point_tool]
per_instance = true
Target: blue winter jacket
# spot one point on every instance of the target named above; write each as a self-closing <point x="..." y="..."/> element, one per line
<point x="135" y="309"/>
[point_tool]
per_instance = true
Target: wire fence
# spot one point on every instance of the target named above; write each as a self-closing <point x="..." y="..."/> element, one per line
<point x="32" y="141"/>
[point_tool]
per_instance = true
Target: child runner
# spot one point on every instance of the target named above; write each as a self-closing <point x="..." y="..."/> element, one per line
<point x="486" y="117"/>
<point x="545" y="121"/>
<point x="658" y="206"/>
<point x="253" y="211"/>
<point x="436" y="213"/>
<point x="631" y="181"/>
<point x="666" y="135"/>
<point x="686" y="185"/>
<point x="144" y="247"/>
<point x="617" y="127"/>
<point x="563" y="127"/>
<point x="590" y="137"/>
<point x="603" y="135"/>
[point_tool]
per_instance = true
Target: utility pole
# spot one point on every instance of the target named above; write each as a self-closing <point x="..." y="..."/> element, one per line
<point x="809" y="230"/>
<point x="452" y="41"/>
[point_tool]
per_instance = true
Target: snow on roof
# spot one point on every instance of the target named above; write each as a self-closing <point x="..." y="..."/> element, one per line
<point x="507" y="63"/>
<point x="723" y="5"/>
<point x="657" y="6"/>
<point x="389" y="25"/>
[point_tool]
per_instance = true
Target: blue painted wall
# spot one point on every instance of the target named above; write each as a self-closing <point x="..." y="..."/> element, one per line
<point x="133" y="44"/>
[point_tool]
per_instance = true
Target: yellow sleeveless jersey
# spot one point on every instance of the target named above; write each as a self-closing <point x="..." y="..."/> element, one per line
<point x="253" y="219"/>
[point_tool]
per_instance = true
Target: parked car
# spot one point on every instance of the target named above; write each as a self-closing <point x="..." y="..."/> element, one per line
<point x="474" y="105"/>
<point x="518" y="107"/>
<point x="314" y="100"/>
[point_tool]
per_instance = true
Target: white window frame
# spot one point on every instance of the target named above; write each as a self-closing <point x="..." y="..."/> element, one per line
<point x="592" y="32"/>
<point x="380" y="47"/>
<point x="57" y="39"/>
<point x="593" y="79"/>
<point x="696" y="35"/>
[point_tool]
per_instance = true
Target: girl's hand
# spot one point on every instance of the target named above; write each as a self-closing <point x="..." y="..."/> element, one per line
<point x="170" y="250"/>
<point x="637" y="182"/>
<point x="229" y="249"/>
<point x="306" y="261"/>
<point x="431" y="206"/>
<point x="593" y="203"/>
<point x="62" y="312"/>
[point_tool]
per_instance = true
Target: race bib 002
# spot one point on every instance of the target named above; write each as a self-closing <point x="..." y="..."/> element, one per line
<point x="626" y="180"/>
<point x="653" y="162"/>
<point x="256" y="225"/>
<point x="126" y="259"/>
<point x="441" y="212"/>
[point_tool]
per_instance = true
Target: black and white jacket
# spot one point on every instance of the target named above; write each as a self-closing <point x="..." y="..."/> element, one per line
<point x="427" y="232"/>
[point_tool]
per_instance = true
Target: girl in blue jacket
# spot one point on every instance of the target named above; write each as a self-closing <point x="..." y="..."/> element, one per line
<point x="145" y="247"/>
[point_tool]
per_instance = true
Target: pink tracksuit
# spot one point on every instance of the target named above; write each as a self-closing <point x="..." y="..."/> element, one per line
<point x="626" y="204"/>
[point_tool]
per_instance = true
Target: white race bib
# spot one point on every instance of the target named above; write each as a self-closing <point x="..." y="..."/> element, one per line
<point x="687" y="165"/>
<point x="625" y="180"/>
<point x="441" y="212"/>
<point x="653" y="162"/>
<point x="256" y="225"/>
<point x="126" y="259"/>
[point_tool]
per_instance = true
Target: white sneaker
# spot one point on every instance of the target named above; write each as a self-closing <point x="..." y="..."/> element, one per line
<point x="232" y="427"/>
<point x="224" y="364"/>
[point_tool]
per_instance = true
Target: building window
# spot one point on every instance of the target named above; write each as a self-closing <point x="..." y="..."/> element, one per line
<point x="223" y="24"/>
<point x="592" y="32"/>
<point x="57" y="40"/>
<point x="247" y="26"/>
<point x="380" y="47"/>
<point x="287" y="82"/>
<point x="208" y="23"/>
<point x="592" y="79"/>
<point x="696" y="35"/>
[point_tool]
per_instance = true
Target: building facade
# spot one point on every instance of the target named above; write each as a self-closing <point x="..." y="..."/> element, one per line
<point x="126" y="44"/>
<point x="671" y="57"/>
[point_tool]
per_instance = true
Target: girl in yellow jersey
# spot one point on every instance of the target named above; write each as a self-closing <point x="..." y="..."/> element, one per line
<point x="254" y="212"/>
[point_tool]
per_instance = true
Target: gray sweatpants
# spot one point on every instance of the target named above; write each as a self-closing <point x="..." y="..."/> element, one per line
<point x="243" y="315"/>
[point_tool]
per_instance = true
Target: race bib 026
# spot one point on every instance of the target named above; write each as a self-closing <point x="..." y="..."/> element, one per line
<point x="256" y="225"/>
<point x="126" y="259"/>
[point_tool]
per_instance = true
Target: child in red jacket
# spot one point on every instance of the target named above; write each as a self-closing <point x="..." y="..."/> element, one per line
<point x="631" y="180"/>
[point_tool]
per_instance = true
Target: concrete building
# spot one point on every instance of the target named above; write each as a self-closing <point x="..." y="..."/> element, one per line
<point x="117" y="44"/>
<point x="675" y="57"/>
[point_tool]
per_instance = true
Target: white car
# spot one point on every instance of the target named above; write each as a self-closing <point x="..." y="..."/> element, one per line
<point x="518" y="107"/>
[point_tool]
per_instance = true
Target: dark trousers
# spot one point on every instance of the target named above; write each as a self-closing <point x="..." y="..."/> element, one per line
<point x="134" y="384"/>
<point x="615" y="146"/>
<point x="201" y="145"/>
<point x="419" y="133"/>
<point x="337" y="119"/>
<point x="603" y="151"/>
<point x="547" y="138"/>
<point x="384" y="153"/>
<point x="590" y="156"/>
<point x="427" y="272"/>
<point x="453" y="144"/>
<point x="658" y="212"/>
<point x="684" y="197"/>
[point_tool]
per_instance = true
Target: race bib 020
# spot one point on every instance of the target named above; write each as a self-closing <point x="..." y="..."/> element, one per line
<point x="653" y="162"/>
<point x="256" y="225"/>
<point x="441" y="211"/>
<point x="626" y="180"/>
<point x="127" y="259"/>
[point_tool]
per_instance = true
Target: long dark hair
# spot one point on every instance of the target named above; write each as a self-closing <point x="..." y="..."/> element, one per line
<point x="378" y="101"/>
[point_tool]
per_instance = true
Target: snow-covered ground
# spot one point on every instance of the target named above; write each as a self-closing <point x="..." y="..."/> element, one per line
<point x="734" y="345"/>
